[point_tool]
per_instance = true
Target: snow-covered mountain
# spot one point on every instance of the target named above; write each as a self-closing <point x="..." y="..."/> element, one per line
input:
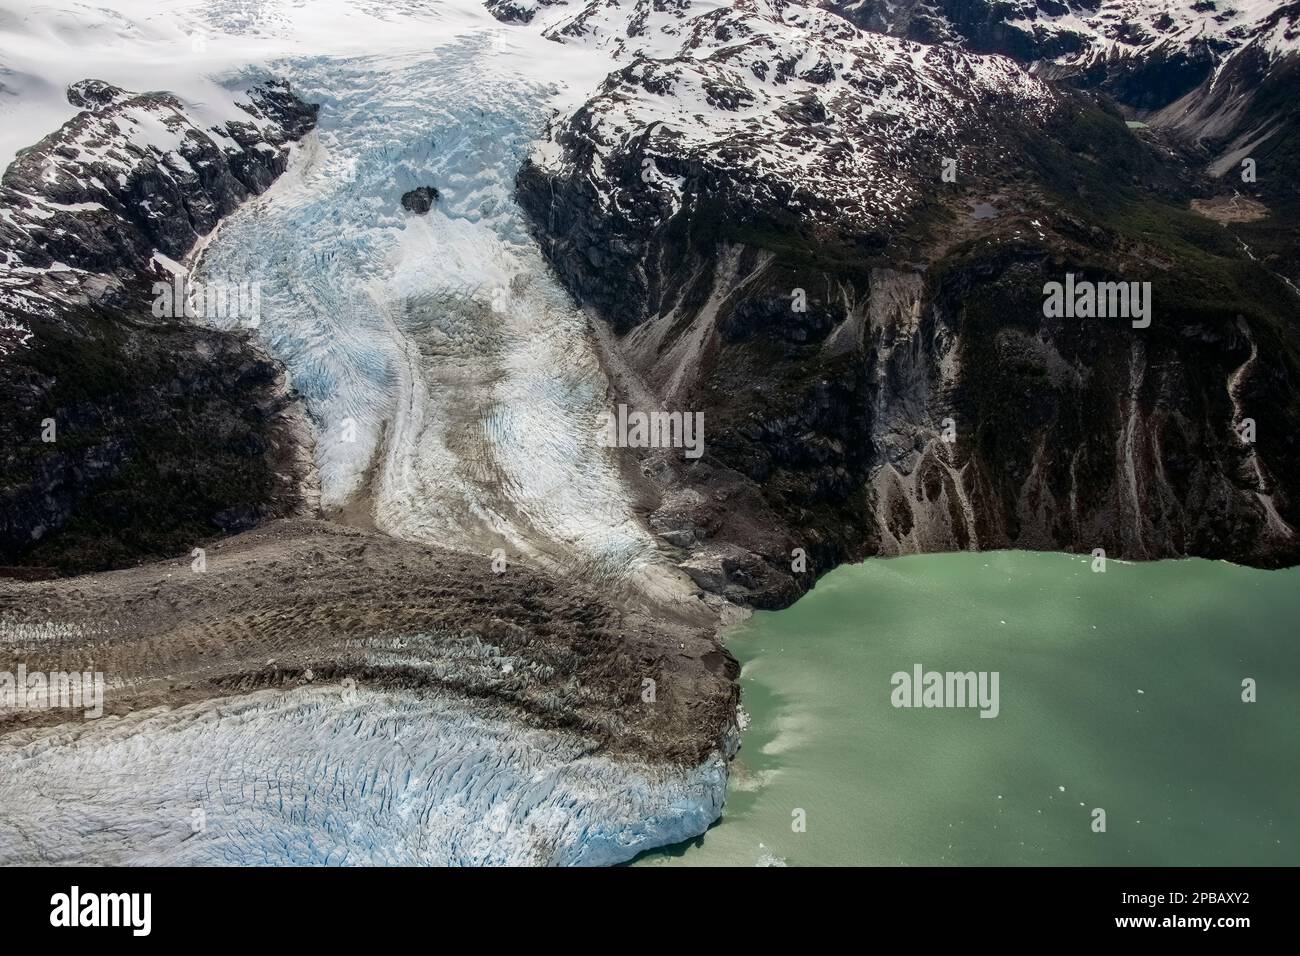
<point x="791" y="106"/>
<point x="774" y="185"/>
<point x="1064" y="31"/>
<point x="624" y="28"/>
<point x="1145" y="52"/>
<point x="1080" y="31"/>
<point x="134" y="181"/>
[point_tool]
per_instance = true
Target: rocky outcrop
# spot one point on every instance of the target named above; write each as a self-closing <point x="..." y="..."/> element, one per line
<point x="419" y="200"/>
<point x="134" y="175"/>
<point x="1022" y="31"/>
<point x="877" y="370"/>
<point x="127" y="431"/>
<point x="518" y="11"/>
<point x="625" y="27"/>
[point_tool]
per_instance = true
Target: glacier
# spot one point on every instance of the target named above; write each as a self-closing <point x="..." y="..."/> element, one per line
<point x="448" y="376"/>
<point x="453" y="389"/>
<point x="339" y="776"/>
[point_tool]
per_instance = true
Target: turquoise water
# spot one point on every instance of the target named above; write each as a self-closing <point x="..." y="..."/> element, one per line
<point x="1119" y="690"/>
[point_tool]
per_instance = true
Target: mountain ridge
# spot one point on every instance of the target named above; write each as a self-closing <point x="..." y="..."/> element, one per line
<point x="828" y="422"/>
<point x="128" y="433"/>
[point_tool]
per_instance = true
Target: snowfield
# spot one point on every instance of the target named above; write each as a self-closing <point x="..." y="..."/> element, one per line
<point x="848" y="125"/>
<point x="1128" y="27"/>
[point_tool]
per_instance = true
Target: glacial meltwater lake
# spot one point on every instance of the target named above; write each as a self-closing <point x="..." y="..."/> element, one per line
<point x="1120" y="691"/>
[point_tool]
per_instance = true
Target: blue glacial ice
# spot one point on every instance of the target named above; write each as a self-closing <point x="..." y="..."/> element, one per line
<point x="452" y="383"/>
<point x="332" y="775"/>
<point x="439" y="359"/>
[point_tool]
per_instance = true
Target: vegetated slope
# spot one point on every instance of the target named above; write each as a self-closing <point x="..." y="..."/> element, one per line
<point x="127" y="434"/>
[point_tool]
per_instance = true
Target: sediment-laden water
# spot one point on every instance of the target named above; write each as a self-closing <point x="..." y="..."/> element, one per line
<point x="1119" y="690"/>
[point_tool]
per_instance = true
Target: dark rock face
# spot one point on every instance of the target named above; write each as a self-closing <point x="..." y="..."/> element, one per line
<point x="514" y="11"/>
<point x="980" y="25"/>
<point x="919" y="398"/>
<point x="1154" y="80"/>
<point x="159" y="189"/>
<point x="1251" y="109"/>
<point x="95" y="94"/>
<point x="125" y="435"/>
<point x="420" y="200"/>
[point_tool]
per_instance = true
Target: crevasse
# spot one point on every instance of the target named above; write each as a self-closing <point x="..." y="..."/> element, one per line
<point x="451" y="380"/>
<point x="439" y="360"/>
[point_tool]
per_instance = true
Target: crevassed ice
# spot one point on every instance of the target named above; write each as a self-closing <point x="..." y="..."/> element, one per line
<point x="473" y="429"/>
<point x="325" y="777"/>
<point x="440" y="361"/>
